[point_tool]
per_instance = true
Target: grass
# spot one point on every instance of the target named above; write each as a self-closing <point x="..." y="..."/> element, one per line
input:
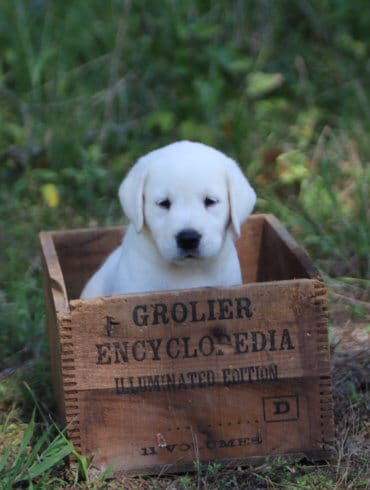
<point x="86" y="88"/>
<point x="23" y="462"/>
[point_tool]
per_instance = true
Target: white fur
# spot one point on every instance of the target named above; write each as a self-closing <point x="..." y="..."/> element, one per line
<point x="184" y="174"/>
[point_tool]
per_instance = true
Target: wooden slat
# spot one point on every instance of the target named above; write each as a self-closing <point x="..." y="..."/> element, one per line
<point x="281" y="258"/>
<point x="54" y="274"/>
<point x="56" y="306"/>
<point x="81" y="252"/>
<point x="249" y="247"/>
<point x="197" y="330"/>
<point x="167" y="432"/>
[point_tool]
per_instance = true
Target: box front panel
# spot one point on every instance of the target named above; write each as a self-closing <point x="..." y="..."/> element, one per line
<point x="214" y="374"/>
<point x="147" y="430"/>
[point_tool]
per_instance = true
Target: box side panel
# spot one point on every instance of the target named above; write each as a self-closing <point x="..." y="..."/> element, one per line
<point x="70" y="392"/>
<point x="56" y="307"/>
<point x="53" y="274"/>
<point x="52" y="329"/>
<point x="219" y="373"/>
<point x="323" y="349"/>
<point x="58" y="322"/>
<point x="81" y="252"/>
<point x="248" y="247"/>
<point x="281" y="258"/>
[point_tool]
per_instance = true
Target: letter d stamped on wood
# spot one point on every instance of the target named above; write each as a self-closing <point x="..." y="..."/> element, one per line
<point x="280" y="409"/>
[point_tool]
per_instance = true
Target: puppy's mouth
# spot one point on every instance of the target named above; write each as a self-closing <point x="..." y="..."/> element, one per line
<point x="187" y="257"/>
<point x="184" y="256"/>
<point x="191" y="256"/>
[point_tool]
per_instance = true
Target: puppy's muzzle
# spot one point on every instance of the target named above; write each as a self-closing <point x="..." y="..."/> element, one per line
<point x="188" y="240"/>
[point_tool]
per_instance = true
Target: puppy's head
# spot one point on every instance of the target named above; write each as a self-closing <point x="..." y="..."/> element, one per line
<point x="187" y="194"/>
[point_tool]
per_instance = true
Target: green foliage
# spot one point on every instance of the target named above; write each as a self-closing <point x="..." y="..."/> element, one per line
<point x="83" y="473"/>
<point x="213" y="469"/>
<point x="185" y="482"/>
<point x="24" y="460"/>
<point x="260" y="84"/>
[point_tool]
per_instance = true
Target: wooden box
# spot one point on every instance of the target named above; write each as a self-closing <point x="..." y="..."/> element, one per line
<point x="152" y="382"/>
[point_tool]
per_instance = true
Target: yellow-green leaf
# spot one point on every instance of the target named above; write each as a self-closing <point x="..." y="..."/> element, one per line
<point x="292" y="167"/>
<point x="260" y="83"/>
<point x="50" y="194"/>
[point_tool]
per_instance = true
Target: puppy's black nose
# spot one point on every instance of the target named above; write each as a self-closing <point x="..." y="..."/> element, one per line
<point x="188" y="239"/>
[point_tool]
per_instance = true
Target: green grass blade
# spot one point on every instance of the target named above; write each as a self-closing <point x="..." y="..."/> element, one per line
<point x="27" y="436"/>
<point x="37" y="446"/>
<point x="54" y="454"/>
<point x="4" y="459"/>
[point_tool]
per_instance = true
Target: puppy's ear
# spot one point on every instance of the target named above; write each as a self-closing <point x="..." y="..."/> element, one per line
<point x="242" y="197"/>
<point x="131" y="194"/>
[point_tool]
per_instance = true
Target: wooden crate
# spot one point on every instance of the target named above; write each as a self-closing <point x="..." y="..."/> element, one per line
<point x="152" y="382"/>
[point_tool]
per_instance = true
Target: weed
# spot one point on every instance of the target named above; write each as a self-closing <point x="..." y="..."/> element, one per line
<point x="26" y="459"/>
<point x="186" y="482"/>
<point x="213" y="469"/>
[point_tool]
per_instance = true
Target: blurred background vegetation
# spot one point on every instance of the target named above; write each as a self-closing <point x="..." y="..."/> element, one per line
<point x="87" y="87"/>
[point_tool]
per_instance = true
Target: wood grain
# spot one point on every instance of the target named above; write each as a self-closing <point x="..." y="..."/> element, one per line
<point x="151" y="382"/>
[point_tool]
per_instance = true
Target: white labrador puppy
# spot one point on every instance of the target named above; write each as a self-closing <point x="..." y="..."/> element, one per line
<point x="186" y="203"/>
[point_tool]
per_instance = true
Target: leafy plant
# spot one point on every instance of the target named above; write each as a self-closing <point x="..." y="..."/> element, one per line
<point x="32" y="460"/>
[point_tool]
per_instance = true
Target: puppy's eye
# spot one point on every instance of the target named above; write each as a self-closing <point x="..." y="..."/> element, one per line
<point x="165" y="204"/>
<point x="208" y="202"/>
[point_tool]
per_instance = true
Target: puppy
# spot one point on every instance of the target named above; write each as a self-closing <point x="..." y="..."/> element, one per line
<point x="186" y="203"/>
